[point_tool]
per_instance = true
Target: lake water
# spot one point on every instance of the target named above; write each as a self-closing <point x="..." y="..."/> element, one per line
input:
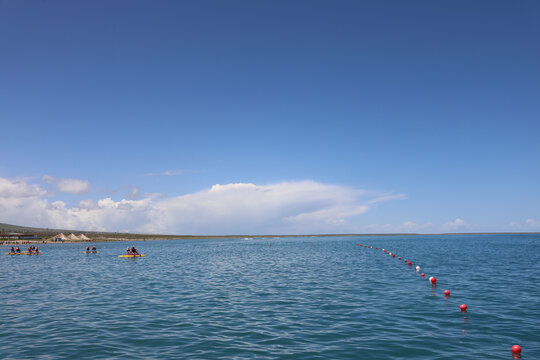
<point x="286" y="298"/>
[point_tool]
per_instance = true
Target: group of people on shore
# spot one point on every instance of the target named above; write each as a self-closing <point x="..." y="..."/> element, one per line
<point x="19" y="242"/>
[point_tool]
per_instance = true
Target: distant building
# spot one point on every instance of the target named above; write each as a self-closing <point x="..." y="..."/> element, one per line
<point x="19" y="236"/>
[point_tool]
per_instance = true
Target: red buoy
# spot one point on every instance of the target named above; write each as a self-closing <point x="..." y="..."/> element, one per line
<point x="433" y="280"/>
<point x="399" y="258"/>
<point x="463" y="307"/>
<point x="358" y="244"/>
<point x="393" y="255"/>
<point x="516" y="349"/>
<point x="447" y="292"/>
<point x="410" y="263"/>
<point x="423" y="275"/>
<point x="376" y="248"/>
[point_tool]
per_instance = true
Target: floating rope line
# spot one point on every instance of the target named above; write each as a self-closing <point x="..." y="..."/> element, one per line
<point x="516" y="349"/>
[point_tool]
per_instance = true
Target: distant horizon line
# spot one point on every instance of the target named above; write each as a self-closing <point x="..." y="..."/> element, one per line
<point x="20" y="228"/>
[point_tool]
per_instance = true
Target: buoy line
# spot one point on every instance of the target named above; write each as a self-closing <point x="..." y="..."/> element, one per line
<point x="516" y="349"/>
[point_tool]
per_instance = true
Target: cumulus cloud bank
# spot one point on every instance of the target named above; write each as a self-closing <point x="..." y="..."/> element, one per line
<point x="243" y="208"/>
<point x="22" y="201"/>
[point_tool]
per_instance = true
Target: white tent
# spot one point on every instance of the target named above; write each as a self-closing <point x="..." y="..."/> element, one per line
<point x="72" y="236"/>
<point x="60" y="237"/>
<point x="83" y="237"/>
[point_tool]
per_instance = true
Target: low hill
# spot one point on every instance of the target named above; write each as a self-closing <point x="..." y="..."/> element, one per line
<point x="8" y="228"/>
<point x="45" y="233"/>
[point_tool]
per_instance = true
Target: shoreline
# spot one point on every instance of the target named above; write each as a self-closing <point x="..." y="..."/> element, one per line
<point x="138" y="237"/>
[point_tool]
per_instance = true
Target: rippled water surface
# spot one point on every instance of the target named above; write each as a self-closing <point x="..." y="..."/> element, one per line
<point x="287" y="298"/>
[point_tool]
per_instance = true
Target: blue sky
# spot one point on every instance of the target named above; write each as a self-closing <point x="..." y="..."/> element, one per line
<point x="395" y="116"/>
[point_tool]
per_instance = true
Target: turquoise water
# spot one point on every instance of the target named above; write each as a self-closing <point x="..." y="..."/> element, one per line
<point x="288" y="298"/>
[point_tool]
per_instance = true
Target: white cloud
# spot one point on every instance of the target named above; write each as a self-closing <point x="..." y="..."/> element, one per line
<point x="17" y="189"/>
<point x="88" y="204"/>
<point x="243" y="208"/>
<point x="133" y="194"/>
<point x="455" y="225"/>
<point x="73" y="186"/>
<point x="528" y="225"/>
<point x="48" y="179"/>
<point x="70" y="186"/>
<point x="289" y="207"/>
<point x="169" y="173"/>
<point x="154" y="195"/>
<point x="22" y="203"/>
<point x="172" y="172"/>
<point x="405" y="227"/>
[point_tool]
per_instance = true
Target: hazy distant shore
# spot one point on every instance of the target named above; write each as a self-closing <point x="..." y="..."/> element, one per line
<point x="46" y="236"/>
